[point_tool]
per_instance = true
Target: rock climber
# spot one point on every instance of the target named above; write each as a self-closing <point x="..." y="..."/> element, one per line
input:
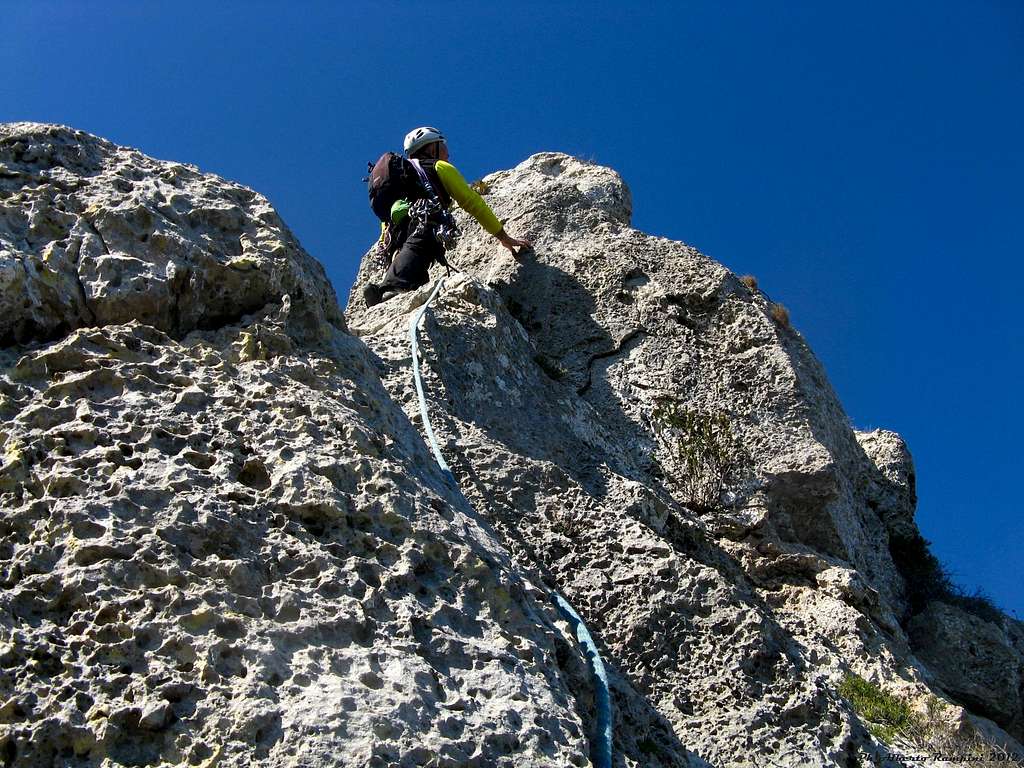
<point x="428" y="150"/>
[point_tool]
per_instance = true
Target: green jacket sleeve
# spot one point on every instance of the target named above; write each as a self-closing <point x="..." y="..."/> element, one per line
<point x="467" y="198"/>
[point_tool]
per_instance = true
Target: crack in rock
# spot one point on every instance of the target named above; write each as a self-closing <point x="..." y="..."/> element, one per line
<point x="616" y="350"/>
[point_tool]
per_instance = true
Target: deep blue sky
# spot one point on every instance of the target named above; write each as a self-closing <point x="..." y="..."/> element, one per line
<point x="864" y="161"/>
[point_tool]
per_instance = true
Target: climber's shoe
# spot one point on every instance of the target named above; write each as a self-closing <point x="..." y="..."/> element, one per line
<point x="372" y="294"/>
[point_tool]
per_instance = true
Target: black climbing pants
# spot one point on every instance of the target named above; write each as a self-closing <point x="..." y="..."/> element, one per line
<point x="410" y="267"/>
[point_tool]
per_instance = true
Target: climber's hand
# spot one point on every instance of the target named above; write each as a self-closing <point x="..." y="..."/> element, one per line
<point x="512" y="243"/>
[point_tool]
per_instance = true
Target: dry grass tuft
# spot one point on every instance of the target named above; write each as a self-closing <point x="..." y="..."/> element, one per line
<point x="750" y="281"/>
<point x="780" y="315"/>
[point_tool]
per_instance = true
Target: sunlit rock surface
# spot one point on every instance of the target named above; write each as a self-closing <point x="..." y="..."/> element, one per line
<point x="95" y="234"/>
<point x="230" y="547"/>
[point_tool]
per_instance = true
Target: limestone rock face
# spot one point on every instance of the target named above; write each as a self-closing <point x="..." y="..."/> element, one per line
<point x="223" y="541"/>
<point x="893" y="494"/>
<point x="977" y="661"/>
<point x="628" y="320"/>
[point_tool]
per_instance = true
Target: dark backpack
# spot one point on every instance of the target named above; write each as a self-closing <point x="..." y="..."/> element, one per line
<point x="391" y="179"/>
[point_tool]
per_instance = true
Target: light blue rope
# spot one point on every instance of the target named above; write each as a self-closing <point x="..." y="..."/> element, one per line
<point x="602" y="698"/>
<point x="419" y="383"/>
<point x="603" y="704"/>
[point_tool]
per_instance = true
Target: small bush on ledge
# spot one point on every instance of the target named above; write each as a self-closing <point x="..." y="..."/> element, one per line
<point x="780" y="315"/>
<point x="893" y="721"/>
<point x="927" y="579"/>
<point x="706" y="447"/>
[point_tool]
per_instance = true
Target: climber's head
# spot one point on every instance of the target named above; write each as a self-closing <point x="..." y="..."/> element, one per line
<point x="426" y="144"/>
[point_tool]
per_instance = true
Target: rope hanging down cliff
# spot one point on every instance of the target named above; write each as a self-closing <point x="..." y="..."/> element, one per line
<point x="602" y="745"/>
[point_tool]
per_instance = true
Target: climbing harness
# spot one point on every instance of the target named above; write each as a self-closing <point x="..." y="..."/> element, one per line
<point x="430" y="211"/>
<point x="602" y="746"/>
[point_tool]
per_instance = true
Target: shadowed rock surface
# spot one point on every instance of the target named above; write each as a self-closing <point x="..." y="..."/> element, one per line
<point x="224" y="542"/>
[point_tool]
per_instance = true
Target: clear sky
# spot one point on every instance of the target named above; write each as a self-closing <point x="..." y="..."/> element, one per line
<point x="864" y="160"/>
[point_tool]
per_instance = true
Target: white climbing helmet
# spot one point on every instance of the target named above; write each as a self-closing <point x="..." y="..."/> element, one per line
<point x="420" y="137"/>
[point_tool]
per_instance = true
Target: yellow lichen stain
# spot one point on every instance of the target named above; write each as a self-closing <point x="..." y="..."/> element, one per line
<point x="201" y="620"/>
<point x="114" y="655"/>
<point x="207" y="673"/>
<point x="83" y="743"/>
<point x="474" y="567"/>
<point x="500" y="600"/>
<point x="213" y="759"/>
<point x="14" y="454"/>
<point x="158" y="242"/>
<point x="246" y="347"/>
<point x="8" y="711"/>
<point x="242" y="263"/>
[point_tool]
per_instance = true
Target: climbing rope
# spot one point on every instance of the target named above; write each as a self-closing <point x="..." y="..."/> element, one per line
<point x="602" y="746"/>
<point x="602" y="697"/>
<point x="419" y="385"/>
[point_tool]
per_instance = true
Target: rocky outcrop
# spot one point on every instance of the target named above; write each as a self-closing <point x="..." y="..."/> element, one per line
<point x="977" y="661"/>
<point x="95" y="234"/>
<point x="742" y="614"/>
<point x="224" y="542"/>
<point x="891" y="493"/>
